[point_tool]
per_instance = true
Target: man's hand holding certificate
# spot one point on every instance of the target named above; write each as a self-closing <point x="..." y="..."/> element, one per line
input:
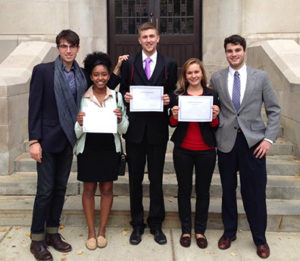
<point x="146" y="98"/>
<point x="195" y="108"/>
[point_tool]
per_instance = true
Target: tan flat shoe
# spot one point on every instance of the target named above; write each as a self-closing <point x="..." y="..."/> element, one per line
<point x="91" y="244"/>
<point x="101" y="241"/>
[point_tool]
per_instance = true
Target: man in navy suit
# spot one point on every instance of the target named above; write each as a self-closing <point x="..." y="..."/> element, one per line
<point x="147" y="135"/>
<point x="56" y="89"/>
<point x="244" y="141"/>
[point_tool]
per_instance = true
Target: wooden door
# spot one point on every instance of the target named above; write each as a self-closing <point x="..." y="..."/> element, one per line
<point x="178" y="21"/>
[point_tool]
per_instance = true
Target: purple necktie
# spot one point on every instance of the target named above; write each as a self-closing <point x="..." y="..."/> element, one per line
<point x="147" y="67"/>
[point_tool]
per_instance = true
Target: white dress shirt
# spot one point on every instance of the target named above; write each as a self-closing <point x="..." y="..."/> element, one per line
<point x="243" y="80"/>
<point x="152" y="63"/>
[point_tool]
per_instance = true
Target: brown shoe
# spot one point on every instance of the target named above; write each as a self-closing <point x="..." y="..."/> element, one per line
<point x="225" y="242"/>
<point x="201" y="242"/>
<point x="263" y="251"/>
<point x="56" y="241"/>
<point x="185" y="241"/>
<point x="40" y="251"/>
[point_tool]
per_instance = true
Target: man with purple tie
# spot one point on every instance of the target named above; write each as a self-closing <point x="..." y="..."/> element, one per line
<point x="147" y="135"/>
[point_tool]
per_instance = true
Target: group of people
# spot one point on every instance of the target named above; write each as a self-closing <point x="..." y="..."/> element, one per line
<point x="59" y="96"/>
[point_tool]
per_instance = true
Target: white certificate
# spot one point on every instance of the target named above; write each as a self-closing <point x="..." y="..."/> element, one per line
<point x="195" y="108"/>
<point x="99" y="120"/>
<point x="146" y="98"/>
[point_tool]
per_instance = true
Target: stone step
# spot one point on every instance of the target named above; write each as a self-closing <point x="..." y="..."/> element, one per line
<point x="283" y="215"/>
<point x="24" y="184"/>
<point x="281" y="147"/>
<point x="282" y="165"/>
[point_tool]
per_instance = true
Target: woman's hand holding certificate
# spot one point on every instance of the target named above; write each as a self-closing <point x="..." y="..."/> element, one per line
<point x="99" y="120"/>
<point x="195" y="108"/>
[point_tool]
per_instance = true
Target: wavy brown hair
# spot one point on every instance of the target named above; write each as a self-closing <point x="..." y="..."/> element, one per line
<point x="182" y="83"/>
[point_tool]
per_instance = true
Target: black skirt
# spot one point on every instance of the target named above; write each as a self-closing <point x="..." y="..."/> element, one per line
<point x="99" y="160"/>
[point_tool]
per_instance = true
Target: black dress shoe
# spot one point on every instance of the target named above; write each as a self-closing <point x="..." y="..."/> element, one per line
<point x="136" y="236"/>
<point x="159" y="236"/>
<point x="55" y="240"/>
<point x="40" y="251"/>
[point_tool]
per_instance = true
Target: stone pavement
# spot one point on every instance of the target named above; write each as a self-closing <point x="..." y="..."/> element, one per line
<point x="15" y="241"/>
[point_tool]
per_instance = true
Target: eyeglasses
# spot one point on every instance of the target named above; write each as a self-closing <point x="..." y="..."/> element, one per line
<point x="65" y="47"/>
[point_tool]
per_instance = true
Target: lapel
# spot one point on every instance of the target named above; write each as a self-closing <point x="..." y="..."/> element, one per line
<point x="250" y="83"/>
<point x="159" y="67"/>
<point x="138" y="64"/>
<point x="224" y="79"/>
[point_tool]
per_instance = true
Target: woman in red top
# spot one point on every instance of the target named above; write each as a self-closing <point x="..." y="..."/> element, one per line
<point x="194" y="146"/>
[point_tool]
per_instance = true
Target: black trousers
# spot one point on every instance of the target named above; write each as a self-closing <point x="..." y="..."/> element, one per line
<point x="137" y="154"/>
<point x="184" y="162"/>
<point x="253" y="179"/>
<point x="53" y="174"/>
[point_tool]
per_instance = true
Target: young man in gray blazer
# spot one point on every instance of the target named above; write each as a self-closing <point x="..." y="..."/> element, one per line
<point x="243" y="141"/>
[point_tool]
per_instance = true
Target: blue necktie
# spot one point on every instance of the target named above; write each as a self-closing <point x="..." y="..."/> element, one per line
<point x="236" y="91"/>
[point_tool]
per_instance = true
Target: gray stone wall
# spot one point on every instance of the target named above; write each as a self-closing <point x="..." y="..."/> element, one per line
<point x="42" y="19"/>
<point x="281" y="59"/>
<point x="15" y="75"/>
<point x="36" y="20"/>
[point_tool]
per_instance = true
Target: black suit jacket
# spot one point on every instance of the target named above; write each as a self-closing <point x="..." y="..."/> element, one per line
<point x="149" y="126"/>
<point x="43" y="120"/>
<point x="208" y="132"/>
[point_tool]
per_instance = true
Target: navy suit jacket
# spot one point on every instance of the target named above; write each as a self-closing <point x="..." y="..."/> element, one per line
<point x="152" y="126"/>
<point x="43" y="120"/>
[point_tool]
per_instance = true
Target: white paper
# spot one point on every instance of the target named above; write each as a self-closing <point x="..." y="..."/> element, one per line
<point x="146" y="98"/>
<point x="99" y="120"/>
<point x="195" y="108"/>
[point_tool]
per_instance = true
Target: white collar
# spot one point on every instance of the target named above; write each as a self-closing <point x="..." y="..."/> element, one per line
<point x="153" y="56"/>
<point x="242" y="70"/>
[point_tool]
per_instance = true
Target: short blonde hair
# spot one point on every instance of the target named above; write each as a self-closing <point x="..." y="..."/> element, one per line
<point x="147" y="26"/>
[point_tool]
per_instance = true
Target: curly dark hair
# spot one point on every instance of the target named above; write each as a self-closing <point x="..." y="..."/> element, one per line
<point x="94" y="59"/>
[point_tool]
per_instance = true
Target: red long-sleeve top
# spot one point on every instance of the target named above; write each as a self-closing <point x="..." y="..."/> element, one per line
<point x="193" y="139"/>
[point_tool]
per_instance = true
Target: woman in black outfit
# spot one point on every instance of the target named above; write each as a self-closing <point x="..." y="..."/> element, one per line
<point x="194" y="146"/>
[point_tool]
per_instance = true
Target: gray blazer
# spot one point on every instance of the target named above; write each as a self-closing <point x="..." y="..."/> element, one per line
<point x="248" y="118"/>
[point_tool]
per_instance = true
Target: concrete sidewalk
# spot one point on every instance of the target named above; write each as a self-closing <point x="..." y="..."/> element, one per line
<point x="15" y="242"/>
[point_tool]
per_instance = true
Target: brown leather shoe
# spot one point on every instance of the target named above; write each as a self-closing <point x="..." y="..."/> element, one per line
<point x="201" y="242"/>
<point x="225" y="242"/>
<point x="263" y="251"/>
<point x="40" y="251"/>
<point x="185" y="241"/>
<point x="56" y="241"/>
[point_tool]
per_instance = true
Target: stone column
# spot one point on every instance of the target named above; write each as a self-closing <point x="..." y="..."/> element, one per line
<point x="15" y="75"/>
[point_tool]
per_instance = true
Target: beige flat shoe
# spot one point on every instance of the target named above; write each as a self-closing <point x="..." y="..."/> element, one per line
<point x="91" y="244"/>
<point x="101" y="241"/>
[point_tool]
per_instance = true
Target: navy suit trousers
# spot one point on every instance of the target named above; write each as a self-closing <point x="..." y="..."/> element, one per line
<point x="253" y="179"/>
<point x="53" y="174"/>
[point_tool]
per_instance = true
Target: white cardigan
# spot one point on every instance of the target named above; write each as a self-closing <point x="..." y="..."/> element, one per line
<point x="109" y="102"/>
